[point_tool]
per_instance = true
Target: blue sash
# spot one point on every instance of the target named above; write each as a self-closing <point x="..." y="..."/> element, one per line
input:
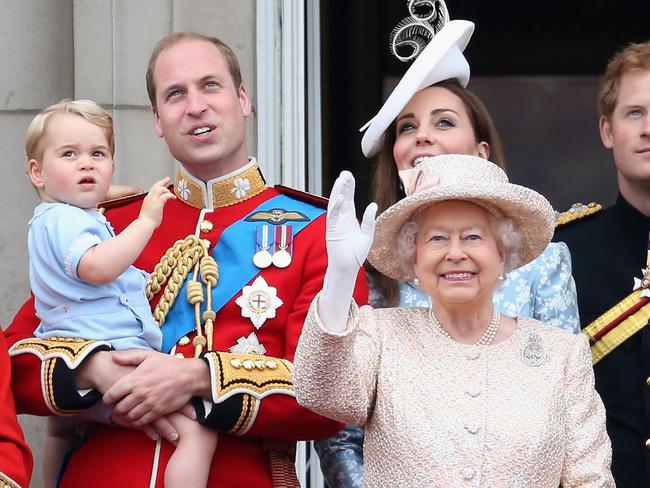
<point x="234" y="256"/>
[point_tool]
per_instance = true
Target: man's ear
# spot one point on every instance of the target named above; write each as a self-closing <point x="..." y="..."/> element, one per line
<point x="156" y="121"/>
<point x="605" y="128"/>
<point x="246" y="106"/>
<point x="35" y="173"/>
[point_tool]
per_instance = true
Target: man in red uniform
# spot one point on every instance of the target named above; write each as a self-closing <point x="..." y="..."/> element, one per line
<point x="235" y="265"/>
<point x="15" y="456"/>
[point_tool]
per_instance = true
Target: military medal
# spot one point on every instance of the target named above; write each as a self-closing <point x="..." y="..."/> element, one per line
<point x="284" y="245"/>
<point x="259" y="302"/>
<point x="262" y="258"/>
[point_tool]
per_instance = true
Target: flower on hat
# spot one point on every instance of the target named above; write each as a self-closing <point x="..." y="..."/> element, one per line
<point x="418" y="179"/>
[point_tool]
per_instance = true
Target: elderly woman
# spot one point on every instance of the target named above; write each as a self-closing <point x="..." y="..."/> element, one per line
<point x="456" y="393"/>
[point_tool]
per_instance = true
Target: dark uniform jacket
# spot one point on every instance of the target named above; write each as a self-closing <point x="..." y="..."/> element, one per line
<point x="608" y="250"/>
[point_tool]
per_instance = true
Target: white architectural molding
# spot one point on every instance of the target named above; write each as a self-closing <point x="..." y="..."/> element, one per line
<point x="314" y="113"/>
<point x="293" y="94"/>
<point x="288" y="92"/>
<point x="268" y="96"/>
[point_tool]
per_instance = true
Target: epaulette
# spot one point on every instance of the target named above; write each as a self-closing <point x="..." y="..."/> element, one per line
<point x="576" y="212"/>
<point x="121" y="201"/>
<point x="303" y="196"/>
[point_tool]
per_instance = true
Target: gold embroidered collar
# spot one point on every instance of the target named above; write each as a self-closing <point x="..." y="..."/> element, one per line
<point x="230" y="189"/>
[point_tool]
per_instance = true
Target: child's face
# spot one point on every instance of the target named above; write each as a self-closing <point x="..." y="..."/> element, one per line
<point x="77" y="165"/>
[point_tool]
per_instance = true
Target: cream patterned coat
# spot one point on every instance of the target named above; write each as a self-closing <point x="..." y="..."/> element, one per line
<point x="521" y="413"/>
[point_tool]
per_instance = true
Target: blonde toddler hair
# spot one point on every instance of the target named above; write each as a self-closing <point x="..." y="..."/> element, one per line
<point x="87" y="109"/>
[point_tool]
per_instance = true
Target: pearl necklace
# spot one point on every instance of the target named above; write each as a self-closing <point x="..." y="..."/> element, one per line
<point x="487" y="337"/>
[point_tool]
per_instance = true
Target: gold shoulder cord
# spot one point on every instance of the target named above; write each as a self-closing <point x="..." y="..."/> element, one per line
<point x="187" y="254"/>
<point x="577" y="211"/>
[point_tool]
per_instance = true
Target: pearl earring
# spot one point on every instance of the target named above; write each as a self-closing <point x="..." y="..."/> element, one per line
<point x="502" y="277"/>
<point x="416" y="281"/>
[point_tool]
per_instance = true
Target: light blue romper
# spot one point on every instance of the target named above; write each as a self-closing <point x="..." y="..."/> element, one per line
<point x="117" y="312"/>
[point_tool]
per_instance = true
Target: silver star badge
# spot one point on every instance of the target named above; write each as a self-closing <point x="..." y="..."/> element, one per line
<point x="643" y="283"/>
<point x="248" y="345"/>
<point x="259" y="302"/>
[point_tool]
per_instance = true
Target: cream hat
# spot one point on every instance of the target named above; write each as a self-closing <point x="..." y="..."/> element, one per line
<point x="442" y="59"/>
<point x="470" y="178"/>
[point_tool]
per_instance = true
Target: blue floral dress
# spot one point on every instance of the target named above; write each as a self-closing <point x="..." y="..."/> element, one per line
<point x="543" y="289"/>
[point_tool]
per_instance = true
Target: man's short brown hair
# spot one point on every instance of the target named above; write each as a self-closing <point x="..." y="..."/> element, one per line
<point x="175" y="38"/>
<point x="634" y="57"/>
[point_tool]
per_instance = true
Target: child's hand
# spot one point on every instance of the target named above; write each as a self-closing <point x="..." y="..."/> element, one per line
<point x="152" y="206"/>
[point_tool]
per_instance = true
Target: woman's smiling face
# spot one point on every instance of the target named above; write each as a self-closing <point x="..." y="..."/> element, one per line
<point x="457" y="257"/>
<point x="434" y="122"/>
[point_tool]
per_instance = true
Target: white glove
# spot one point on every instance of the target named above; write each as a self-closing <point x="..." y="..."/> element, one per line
<point x="348" y="244"/>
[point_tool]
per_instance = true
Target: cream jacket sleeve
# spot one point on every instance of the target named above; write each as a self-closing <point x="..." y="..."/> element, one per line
<point x="588" y="454"/>
<point x="335" y="374"/>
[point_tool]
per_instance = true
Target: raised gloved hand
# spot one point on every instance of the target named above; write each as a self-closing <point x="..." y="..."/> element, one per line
<point x="348" y="244"/>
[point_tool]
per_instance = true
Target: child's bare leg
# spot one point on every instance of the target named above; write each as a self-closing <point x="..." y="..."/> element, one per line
<point x="190" y="462"/>
<point x="59" y="438"/>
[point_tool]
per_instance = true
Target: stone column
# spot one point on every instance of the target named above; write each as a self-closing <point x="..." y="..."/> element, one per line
<point x="36" y="59"/>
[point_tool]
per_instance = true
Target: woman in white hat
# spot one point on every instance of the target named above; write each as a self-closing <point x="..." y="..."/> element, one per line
<point x="456" y="393"/>
<point x="429" y="113"/>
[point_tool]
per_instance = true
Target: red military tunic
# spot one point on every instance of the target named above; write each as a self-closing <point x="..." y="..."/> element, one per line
<point x="254" y="407"/>
<point x="15" y="456"/>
